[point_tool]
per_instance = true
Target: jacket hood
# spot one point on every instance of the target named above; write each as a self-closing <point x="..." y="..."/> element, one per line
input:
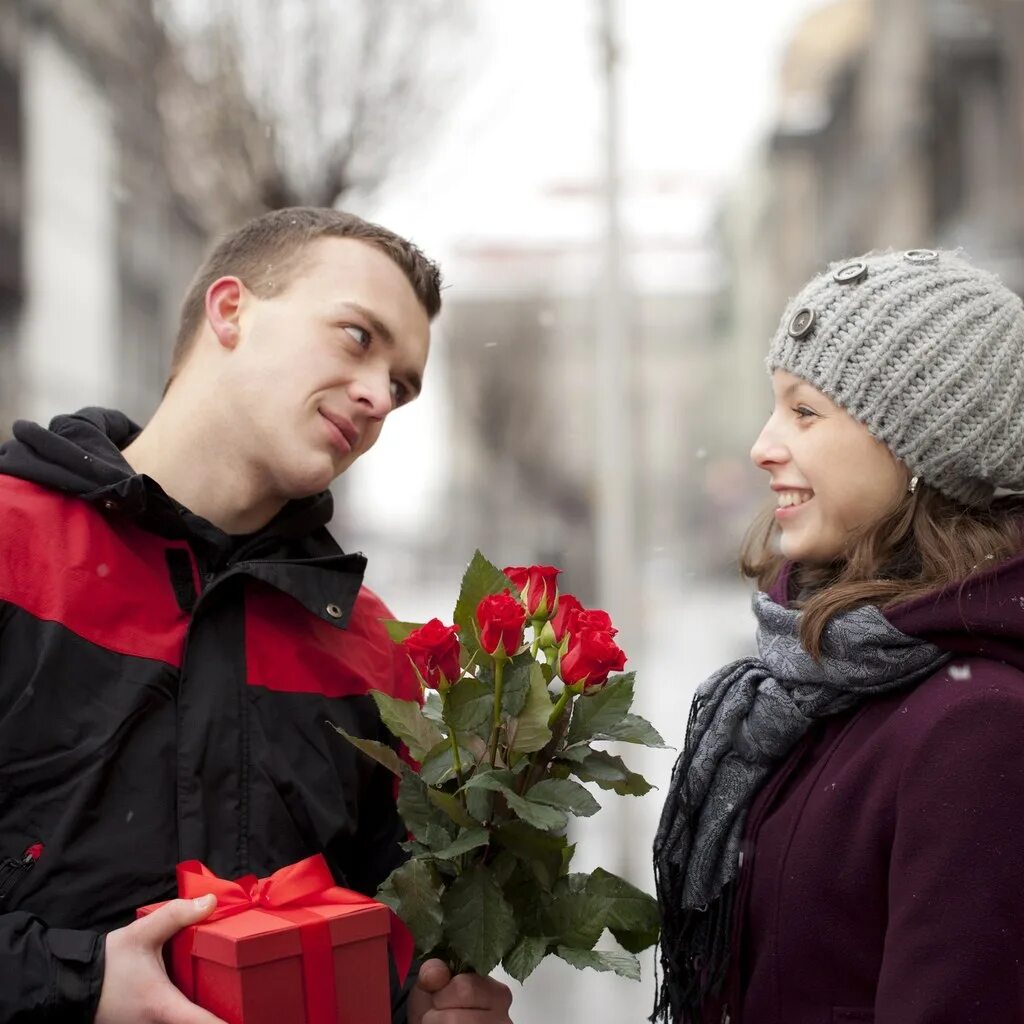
<point x="80" y="454"/>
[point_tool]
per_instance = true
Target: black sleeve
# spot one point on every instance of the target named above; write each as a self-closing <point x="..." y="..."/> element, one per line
<point x="48" y="974"/>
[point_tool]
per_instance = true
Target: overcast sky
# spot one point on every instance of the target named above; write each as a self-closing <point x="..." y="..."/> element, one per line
<point x="698" y="90"/>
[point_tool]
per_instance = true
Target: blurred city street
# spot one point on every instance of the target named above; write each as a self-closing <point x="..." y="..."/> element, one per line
<point x="622" y="198"/>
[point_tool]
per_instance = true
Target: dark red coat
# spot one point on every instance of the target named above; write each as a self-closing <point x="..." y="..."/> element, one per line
<point x="882" y="877"/>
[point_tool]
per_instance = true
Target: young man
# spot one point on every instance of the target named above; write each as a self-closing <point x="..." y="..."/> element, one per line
<point x="178" y="630"/>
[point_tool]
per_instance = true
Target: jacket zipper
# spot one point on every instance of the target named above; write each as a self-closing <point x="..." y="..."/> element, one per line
<point x="12" y="871"/>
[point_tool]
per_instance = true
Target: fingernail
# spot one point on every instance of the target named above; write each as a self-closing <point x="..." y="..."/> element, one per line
<point x="205" y="902"/>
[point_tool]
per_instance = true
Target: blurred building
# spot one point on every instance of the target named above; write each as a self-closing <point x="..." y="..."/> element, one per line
<point x="519" y="332"/>
<point x="901" y="124"/>
<point x="98" y="238"/>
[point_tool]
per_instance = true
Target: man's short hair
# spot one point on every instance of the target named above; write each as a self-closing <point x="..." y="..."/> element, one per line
<point x="265" y="253"/>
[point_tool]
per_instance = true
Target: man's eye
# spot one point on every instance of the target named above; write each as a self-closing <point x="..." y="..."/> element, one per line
<point x="399" y="394"/>
<point x="361" y="336"/>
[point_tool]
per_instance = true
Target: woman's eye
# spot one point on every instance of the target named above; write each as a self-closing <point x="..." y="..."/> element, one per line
<point x="803" y="413"/>
<point x="361" y="336"/>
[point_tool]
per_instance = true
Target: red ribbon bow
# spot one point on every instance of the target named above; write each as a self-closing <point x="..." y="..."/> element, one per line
<point x="285" y="893"/>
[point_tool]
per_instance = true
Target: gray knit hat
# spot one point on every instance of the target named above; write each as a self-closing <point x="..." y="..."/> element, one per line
<point x="925" y="350"/>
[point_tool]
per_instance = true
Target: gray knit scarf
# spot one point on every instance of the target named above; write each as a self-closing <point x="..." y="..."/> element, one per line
<point x="744" y="720"/>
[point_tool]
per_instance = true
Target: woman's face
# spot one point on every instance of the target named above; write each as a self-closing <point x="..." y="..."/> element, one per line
<point x="831" y="477"/>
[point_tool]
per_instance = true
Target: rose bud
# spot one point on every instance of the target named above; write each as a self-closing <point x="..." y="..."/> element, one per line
<point x="590" y="658"/>
<point x="501" y="619"/>
<point x="434" y="649"/>
<point x="538" y="588"/>
<point x="556" y="628"/>
<point x="519" y="575"/>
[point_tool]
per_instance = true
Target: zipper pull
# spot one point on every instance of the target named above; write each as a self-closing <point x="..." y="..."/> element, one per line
<point x="12" y="871"/>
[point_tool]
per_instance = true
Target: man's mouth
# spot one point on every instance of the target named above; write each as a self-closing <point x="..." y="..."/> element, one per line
<point x="343" y="432"/>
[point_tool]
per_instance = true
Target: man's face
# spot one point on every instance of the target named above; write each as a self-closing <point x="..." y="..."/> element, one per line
<point x="319" y="366"/>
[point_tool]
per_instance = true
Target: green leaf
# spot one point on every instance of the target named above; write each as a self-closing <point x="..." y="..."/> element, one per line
<point x="412" y="891"/>
<point x="538" y="815"/>
<point x="415" y="807"/>
<point x="398" y="631"/>
<point x="469" y="707"/>
<point x="478" y="922"/>
<point x="433" y="708"/>
<point x="575" y="916"/>
<point x="451" y="806"/>
<point x="480" y="803"/>
<point x="380" y="752"/>
<point x="517" y="684"/>
<point x="624" y="964"/>
<point x="480" y="579"/>
<point x="437" y="837"/>
<point x="529" y="731"/>
<point x="594" y="713"/>
<point x="609" y="772"/>
<point x="629" y="913"/>
<point x="564" y="793"/>
<point x="633" y="729"/>
<point x="490" y="778"/>
<point x="525" y="956"/>
<point x="405" y="719"/>
<point x="541" y="851"/>
<point x="439" y="765"/>
<point x="578" y="753"/>
<point x="549" y="819"/>
<point x="468" y="840"/>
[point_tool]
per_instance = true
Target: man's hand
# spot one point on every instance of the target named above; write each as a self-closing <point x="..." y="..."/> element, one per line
<point x="438" y="998"/>
<point x="136" y="989"/>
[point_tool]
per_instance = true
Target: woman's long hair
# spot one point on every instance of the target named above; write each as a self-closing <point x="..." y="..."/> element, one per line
<point x="926" y="542"/>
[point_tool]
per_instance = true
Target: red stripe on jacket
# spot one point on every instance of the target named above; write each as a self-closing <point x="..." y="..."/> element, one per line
<point x="61" y="561"/>
<point x="287" y="648"/>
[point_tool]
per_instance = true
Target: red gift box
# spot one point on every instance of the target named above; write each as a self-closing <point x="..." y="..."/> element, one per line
<point x="289" y="949"/>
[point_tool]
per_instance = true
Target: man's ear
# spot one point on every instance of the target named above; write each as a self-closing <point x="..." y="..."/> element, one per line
<point x="223" y="303"/>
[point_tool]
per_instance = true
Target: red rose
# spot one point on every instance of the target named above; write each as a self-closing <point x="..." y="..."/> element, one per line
<point x="591" y="656"/>
<point x="561" y="623"/>
<point x="592" y="619"/>
<point x="501" y="619"/>
<point x="434" y="650"/>
<point x="538" y="586"/>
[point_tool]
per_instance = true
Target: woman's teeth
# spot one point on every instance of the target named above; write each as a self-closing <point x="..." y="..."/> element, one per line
<point x="789" y="498"/>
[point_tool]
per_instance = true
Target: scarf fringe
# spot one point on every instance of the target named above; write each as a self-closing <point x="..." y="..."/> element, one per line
<point x="694" y="957"/>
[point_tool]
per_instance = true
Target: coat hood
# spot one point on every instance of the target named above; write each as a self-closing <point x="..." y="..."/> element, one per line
<point x="982" y="616"/>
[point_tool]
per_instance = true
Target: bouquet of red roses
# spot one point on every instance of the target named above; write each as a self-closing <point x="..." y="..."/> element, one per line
<point x="517" y="692"/>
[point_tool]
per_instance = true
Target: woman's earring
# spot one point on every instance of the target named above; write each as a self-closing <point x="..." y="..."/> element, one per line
<point x="912" y="486"/>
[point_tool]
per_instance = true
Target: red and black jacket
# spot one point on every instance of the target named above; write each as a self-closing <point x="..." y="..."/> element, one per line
<point x="167" y="693"/>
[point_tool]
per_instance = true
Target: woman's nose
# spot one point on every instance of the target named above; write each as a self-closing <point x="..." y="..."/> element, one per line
<point x="768" y="450"/>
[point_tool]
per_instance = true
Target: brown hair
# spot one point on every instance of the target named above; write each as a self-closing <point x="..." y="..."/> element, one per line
<point x="267" y="251"/>
<point x="927" y="541"/>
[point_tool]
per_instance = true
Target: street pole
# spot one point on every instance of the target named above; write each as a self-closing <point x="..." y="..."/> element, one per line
<point x="614" y="406"/>
<point x="613" y="401"/>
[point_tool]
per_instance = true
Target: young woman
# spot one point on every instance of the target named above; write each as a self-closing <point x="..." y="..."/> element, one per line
<point x="843" y="840"/>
